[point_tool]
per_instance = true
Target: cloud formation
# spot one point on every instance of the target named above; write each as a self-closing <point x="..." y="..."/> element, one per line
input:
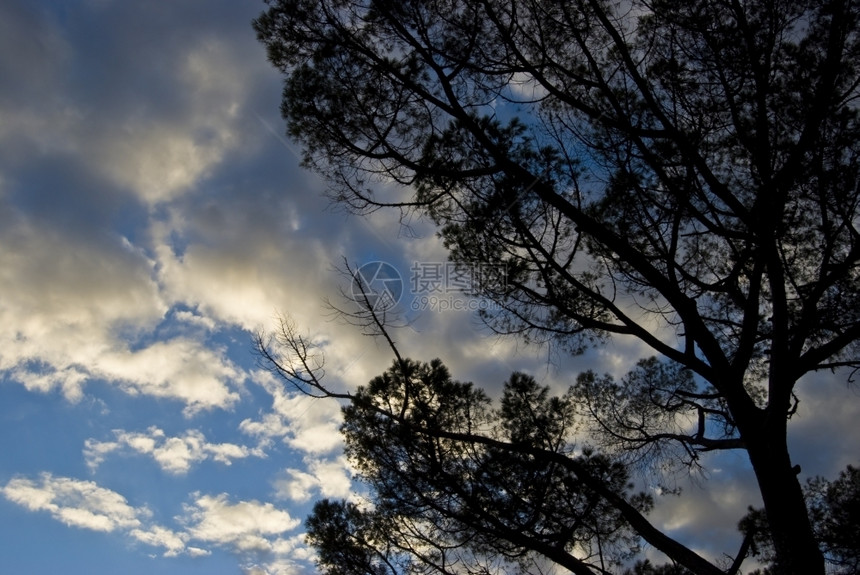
<point x="326" y="478"/>
<point x="174" y="455"/>
<point x="245" y="525"/>
<point x="75" y="503"/>
<point x="304" y="423"/>
<point x="79" y="297"/>
<point x="77" y="308"/>
<point x="86" y="505"/>
<point x="151" y="216"/>
<point x="253" y="530"/>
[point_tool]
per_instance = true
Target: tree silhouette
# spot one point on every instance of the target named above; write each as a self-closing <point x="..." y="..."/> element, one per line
<point x="683" y="172"/>
<point x="834" y="509"/>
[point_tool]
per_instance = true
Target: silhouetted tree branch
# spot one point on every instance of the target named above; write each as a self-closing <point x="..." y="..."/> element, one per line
<point x="683" y="172"/>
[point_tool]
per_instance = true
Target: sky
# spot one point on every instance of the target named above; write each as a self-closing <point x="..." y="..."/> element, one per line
<point x="153" y="217"/>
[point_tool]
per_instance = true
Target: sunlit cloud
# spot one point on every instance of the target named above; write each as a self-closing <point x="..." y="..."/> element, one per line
<point x="159" y="159"/>
<point x="304" y="423"/>
<point x="251" y="529"/>
<point x="151" y="217"/>
<point x="86" y="505"/>
<point x="325" y="478"/>
<point x="174" y="455"/>
<point x="74" y="309"/>
<point x="171" y="541"/>
<point x="244" y="526"/>
<point x="75" y="503"/>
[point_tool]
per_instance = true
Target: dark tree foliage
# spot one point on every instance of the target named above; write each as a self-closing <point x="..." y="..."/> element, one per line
<point x="647" y="568"/>
<point x="458" y="485"/>
<point x="835" y="512"/>
<point x="680" y="171"/>
<point x="834" y="509"/>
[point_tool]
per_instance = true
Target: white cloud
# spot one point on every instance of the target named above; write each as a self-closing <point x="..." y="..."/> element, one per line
<point x="270" y="425"/>
<point x="240" y="252"/>
<point x="69" y="380"/>
<point x="173" y="454"/>
<point x="195" y="319"/>
<point x="334" y="477"/>
<point x="160" y="162"/>
<point x="329" y="478"/>
<point x="178" y="368"/>
<point x="155" y="148"/>
<point x="304" y="423"/>
<point x="75" y="308"/>
<point x="86" y="505"/>
<point x="246" y="526"/>
<point x="279" y="567"/>
<point x="298" y="487"/>
<point x="172" y="542"/>
<point x="77" y="303"/>
<point x="255" y="531"/>
<point x="252" y="529"/>
<point x="126" y="140"/>
<point x="294" y="547"/>
<point x="75" y="503"/>
<point x="53" y="284"/>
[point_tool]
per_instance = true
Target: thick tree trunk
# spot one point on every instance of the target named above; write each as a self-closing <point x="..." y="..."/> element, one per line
<point x="797" y="551"/>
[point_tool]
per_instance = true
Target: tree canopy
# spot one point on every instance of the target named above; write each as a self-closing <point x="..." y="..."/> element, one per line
<point x="684" y="172"/>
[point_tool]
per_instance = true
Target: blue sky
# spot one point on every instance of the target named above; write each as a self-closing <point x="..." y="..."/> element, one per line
<point x="152" y="217"/>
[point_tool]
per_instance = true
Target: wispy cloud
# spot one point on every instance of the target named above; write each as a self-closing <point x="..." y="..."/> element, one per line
<point x="174" y="455"/>
<point x="306" y="424"/>
<point x="86" y="505"/>
<point x="255" y="531"/>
